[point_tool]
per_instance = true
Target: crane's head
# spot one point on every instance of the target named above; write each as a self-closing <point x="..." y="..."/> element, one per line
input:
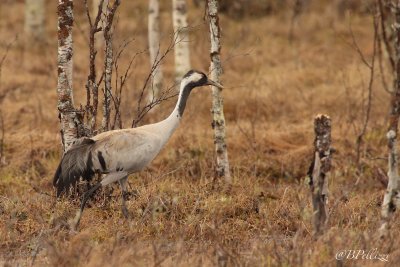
<point x="196" y="78"/>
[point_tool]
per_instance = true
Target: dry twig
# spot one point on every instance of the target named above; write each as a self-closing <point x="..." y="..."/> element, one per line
<point x="371" y="67"/>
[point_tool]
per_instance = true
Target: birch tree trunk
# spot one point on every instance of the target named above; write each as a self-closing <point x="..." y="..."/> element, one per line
<point x="35" y="19"/>
<point x="67" y="113"/>
<point x="181" y="37"/>
<point x="154" y="47"/>
<point x="217" y="110"/>
<point x="391" y="200"/>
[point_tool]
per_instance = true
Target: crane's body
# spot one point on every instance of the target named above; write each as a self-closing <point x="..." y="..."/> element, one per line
<point x="136" y="149"/>
<point x="119" y="153"/>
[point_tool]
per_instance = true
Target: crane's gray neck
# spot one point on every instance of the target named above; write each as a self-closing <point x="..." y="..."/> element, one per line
<point x="169" y="125"/>
<point x="185" y="90"/>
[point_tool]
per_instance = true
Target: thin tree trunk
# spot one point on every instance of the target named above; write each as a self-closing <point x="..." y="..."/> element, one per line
<point x="387" y="35"/>
<point x="35" y="19"/>
<point x="319" y="171"/>
<point x="182" y="55"/>
<point x="108" y="61"/>
<point x="92" y="86"/>
<point x="218" y="122"/>
<point x="154" y="47"/>
<point x="108" y="64"/>
<point x="67" y="113"/>
<point x="95" y="7"/>
<point x="298" y="9"/>
<point x="391" y="200"/>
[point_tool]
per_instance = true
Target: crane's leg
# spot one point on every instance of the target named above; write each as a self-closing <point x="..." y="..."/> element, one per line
<point x="124" y="194"/>
<point x="110" y="178"/>
<point x="85" y="198"/>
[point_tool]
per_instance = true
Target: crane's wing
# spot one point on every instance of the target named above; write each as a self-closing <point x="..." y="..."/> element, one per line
<point x="76" y="163"/>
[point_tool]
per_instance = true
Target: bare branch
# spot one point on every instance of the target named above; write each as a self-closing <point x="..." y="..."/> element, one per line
<point x="120" y="83"/>
<point x="4" y="57"/>
<point x="164" y="95"/>
<point x="381" y="68"/>
<point x="355" y="46"/>
<point x="371" y="67"/>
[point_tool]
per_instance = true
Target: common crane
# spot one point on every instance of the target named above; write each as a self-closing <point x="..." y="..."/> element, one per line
<point x="119" y="153"/>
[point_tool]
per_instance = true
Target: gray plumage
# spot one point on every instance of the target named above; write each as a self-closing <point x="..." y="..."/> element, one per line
<point x="119" y="153"/>
<point x="76" y="163"/>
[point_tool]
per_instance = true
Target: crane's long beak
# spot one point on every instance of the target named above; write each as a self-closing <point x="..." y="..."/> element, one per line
<point x="211" y="82"/>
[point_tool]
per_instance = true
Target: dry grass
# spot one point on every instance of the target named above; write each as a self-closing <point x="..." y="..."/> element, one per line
<point x="273" y="90"/>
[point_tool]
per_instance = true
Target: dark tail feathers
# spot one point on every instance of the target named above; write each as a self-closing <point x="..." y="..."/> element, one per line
<point x="76" y="163"/>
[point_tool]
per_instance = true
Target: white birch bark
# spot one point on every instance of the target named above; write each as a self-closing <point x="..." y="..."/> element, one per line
<point x="181" y="49"/>
<point x="35" y="19"/>
<point x="108" y="61"/>
<point x="391" y="200"/>
<point x="67" y="112"/>
<point x="393" y="174"/>
<point x="217" y="106"/>
<point x="154" y="47"/>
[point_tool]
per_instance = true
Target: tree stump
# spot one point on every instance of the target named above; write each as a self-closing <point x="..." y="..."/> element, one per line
<point x="319" y="172"/>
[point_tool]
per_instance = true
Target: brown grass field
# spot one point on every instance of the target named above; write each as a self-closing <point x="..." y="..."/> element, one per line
<point x="273" y="90"/>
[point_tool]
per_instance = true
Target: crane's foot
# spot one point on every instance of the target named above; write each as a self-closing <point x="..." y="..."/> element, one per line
<point x="125" y="212"/>
<point x="74" y="223"/>
<point x="128" y="195"/>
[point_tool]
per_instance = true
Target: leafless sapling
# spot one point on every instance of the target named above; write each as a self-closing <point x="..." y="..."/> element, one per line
<point x="371" y="67"/>
<point x="92" y="86"/>
<point x="108" y="63"/>
<point x="99" y="42"/>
